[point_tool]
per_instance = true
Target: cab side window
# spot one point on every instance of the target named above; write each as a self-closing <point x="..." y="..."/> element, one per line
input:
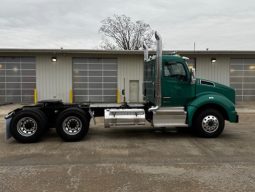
<point x="174" y="70"/>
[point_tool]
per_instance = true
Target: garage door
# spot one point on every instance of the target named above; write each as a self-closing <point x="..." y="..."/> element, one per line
<point x="17" y="79"/>
<point x="242" y="78"/>
<point x="94" y="80"/>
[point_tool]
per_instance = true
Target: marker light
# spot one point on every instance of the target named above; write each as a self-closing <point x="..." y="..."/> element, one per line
<point x="213" y="60"/>
<point x="54" y="59"/>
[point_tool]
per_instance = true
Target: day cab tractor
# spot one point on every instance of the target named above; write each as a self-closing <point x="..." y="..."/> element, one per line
<point x="173" y="97"/>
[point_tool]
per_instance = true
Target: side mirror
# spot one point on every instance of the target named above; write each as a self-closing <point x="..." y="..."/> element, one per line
<point x="192" y="75"/>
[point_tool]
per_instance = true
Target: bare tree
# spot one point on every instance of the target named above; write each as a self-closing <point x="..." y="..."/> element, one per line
<point x="122" y="33"/>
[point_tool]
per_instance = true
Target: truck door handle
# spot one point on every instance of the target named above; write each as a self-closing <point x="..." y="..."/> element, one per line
<point x="166" y="97"/>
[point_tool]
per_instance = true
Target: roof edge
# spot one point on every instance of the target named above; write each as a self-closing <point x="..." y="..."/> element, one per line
<point x="125" y="52"/>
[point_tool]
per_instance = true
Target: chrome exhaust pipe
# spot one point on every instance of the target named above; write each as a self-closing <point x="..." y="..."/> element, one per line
<point x="146" y="52"/>
<point x="158" y="69"/>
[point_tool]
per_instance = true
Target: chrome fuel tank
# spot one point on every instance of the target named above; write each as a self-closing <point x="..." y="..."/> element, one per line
<point x="123" y="117"/>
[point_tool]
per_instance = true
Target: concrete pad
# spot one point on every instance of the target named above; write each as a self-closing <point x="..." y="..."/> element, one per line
<point x="132" y="159"/>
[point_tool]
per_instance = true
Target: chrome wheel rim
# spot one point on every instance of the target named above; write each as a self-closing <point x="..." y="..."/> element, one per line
<point x="210" y="124"/>
<point x="72" y="125"/>
<point x="27" y="126"/>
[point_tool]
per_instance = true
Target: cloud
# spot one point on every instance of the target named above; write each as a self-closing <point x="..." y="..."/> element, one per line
<point x="74" y="23"/>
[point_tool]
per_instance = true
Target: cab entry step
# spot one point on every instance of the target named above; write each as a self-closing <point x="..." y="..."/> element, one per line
<point x="169" y="117"/>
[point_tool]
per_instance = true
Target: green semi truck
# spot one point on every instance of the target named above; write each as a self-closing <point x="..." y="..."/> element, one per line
<point x="173" y="97"/>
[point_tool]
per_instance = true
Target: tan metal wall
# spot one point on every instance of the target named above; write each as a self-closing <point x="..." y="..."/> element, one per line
<point x="130" y="68"/>
<point x="218" y="72"/>
<point x="54" y="79"/>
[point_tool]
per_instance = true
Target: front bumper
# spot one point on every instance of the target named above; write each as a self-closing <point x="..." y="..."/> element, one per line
<point x="233" y="117"/>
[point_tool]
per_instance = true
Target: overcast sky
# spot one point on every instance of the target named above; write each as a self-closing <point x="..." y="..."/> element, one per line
<point x="213" y="24"/>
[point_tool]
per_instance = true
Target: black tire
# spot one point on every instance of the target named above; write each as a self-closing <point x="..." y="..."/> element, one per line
<point x="28" y="125"/>
<point x="72" y="124"/>
<point x="209" y="123"/>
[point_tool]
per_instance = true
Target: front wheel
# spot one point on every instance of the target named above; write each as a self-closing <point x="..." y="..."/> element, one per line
<point x="209" y="123"/>
<point x="72" y="124"/>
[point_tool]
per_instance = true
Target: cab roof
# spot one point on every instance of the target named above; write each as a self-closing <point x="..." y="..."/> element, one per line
<point x="174" y="58"/>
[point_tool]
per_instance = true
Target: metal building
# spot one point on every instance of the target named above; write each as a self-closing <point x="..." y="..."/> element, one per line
<point x="100" y="76"/>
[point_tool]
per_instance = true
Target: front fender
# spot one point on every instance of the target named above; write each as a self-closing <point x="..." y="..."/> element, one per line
<point x="216" y="99"/>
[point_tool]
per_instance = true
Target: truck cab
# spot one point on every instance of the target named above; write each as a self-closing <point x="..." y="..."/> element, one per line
<point x="180" y="99"/>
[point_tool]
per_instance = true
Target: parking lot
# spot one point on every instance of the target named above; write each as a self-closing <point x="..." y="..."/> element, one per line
<point x="132" y="159"/>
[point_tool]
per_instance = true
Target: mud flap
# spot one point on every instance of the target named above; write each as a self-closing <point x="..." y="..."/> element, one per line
<point x="8" y="134"/>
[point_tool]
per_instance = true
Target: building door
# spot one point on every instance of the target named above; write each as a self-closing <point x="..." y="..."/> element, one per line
<point x="134" y="91"/>
<point x="17" y="79"/>
<point x="242" y="78"/>
<point x="94" y="80"/>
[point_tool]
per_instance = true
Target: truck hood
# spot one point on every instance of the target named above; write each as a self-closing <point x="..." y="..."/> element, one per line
<point x="209" y="87"/>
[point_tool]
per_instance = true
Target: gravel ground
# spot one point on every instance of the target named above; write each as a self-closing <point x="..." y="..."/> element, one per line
<point x="132" y="159"/>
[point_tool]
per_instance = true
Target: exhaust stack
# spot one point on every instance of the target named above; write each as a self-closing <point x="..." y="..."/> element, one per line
<point x="158" y="69"/>
<point x="146" y="52"/>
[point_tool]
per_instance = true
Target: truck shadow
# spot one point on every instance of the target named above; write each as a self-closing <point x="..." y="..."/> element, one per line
<point x="137" y="133"/>
<point x="144" y="133"/>
<point x="129" y="133"/>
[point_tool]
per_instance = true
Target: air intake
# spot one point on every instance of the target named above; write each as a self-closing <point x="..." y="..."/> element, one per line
<point x="203" y="82"/>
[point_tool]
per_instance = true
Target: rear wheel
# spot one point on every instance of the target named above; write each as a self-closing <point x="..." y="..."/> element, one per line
<point x="209" y="123"/>
<point x="72" y="124"/>
<point x="28" y="125"/>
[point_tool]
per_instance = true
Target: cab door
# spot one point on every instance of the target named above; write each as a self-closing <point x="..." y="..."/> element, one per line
<point x="177" y="89"/>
